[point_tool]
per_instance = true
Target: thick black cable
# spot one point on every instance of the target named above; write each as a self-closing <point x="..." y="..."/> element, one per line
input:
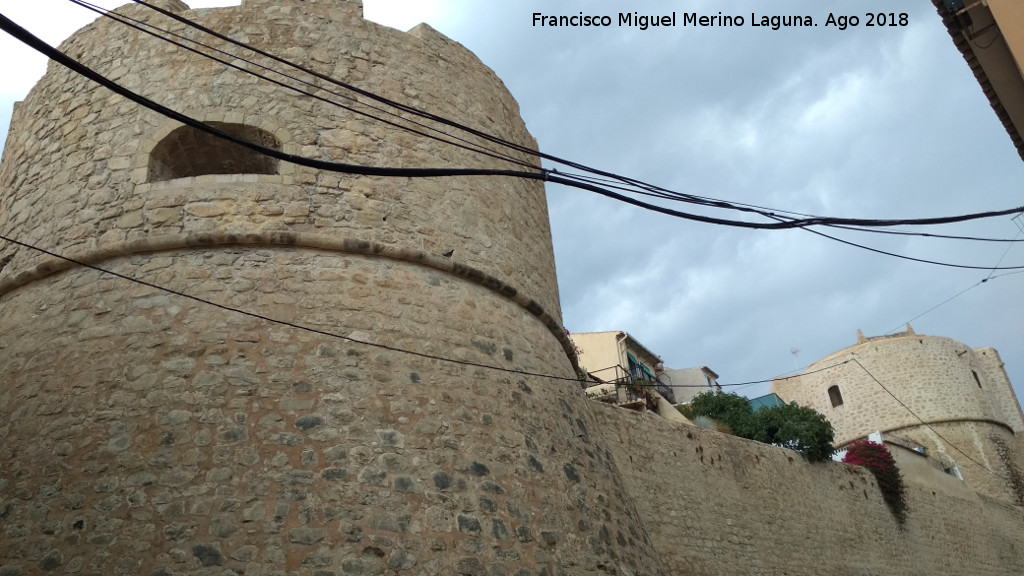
<point x="754" y="208"/>
<point x="648" y="190"/>
<point x="26" y="37"/>
<point x="911" y="258"/>
<point x="151" y="30"/>
<point x="653" y="190"/>
<point x="32" y="41"/>
<point x="820" y="220"/>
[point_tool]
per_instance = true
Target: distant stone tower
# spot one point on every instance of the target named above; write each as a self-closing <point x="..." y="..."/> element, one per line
<point x="146" y="433"/>
<point x="963" y="394"/>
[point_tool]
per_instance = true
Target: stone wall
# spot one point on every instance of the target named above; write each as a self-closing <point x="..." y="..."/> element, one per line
<point x="146" y="433"/>
<point x="143" y="432"/>
<point x="963" y="394"/>
<point x="718" y="505"/>
<point x="931" y="375"/>
<point x="76" y="161"/>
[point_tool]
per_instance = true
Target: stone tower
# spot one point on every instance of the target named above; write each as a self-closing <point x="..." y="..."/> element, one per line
<point x="143" y="432"/>
<point x="963" y="395"/>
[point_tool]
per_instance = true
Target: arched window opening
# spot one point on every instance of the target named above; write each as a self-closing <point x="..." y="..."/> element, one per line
<point x="976" y="379"/>
<point x="188" y="152"/>
<point x="835" y="396"/>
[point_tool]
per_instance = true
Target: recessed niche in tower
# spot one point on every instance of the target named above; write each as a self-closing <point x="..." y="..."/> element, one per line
<point x="187" y="152"/>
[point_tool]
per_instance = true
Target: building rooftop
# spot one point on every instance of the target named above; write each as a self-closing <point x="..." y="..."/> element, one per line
<point x="990" y="36"/>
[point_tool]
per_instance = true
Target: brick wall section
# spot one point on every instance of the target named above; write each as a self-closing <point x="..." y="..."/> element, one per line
<point x="717" y="505"/>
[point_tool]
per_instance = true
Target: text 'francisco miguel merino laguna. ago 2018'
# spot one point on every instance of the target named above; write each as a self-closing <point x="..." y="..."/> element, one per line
<point x="775" y="22"/>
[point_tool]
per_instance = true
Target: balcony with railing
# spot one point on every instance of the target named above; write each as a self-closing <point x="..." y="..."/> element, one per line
<point x="634" y="391"/>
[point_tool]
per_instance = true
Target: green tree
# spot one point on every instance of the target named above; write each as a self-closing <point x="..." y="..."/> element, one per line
<point x="729" y="409"/>
<point x="790" y="425"/>
<point x="795" y="427"/>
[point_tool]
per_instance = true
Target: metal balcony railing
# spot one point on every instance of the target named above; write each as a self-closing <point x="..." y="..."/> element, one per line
<point x="630" y="389"/>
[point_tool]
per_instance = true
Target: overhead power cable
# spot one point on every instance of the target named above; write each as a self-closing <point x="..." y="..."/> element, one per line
<point x="905" y="257"/>
<point x="779" y="215"/>
<point x="801" y="375"/>
<point x="798" y="223"/>
<point x="54" y="54"/>
<point x="991" y="276"/>
<point x="644" y="189"/>
<point x="180" y="41"/>
<point x="154" y="31"/>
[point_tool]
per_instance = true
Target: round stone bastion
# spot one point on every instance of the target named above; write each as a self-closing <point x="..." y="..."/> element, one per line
<point x="333" y="411"/>
<point x="926" y="392"/>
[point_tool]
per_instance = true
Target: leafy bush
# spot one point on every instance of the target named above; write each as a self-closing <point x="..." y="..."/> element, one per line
<point x="795" y="427"/>
<point x="878" y="459"/>
<point x="790" y="425"/>
<point x="729" y="409"/>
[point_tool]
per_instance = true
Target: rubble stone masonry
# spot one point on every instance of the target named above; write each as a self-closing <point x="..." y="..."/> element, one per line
<point x="962" y="395"/>
<point x="146" y="432"/>
<point x="717" y="505"/>
<point x="143" y="432"/>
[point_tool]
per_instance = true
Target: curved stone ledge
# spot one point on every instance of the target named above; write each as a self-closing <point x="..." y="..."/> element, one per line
<point x="169" y="242"/>
<point x="896" y="429"/>
<point x="944" y="421"/>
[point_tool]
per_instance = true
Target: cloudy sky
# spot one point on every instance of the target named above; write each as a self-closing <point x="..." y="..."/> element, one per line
<point x="863" y="122"/>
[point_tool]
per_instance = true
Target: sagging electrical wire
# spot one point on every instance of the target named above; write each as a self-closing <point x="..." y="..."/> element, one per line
<point x="156" y="32"/>
<point x="808" y="221"/>
<point x="546" y="175"/>
<point x="910" y="258"/>
<point x="37" y="44"/>
<point x="646" y="189"/>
